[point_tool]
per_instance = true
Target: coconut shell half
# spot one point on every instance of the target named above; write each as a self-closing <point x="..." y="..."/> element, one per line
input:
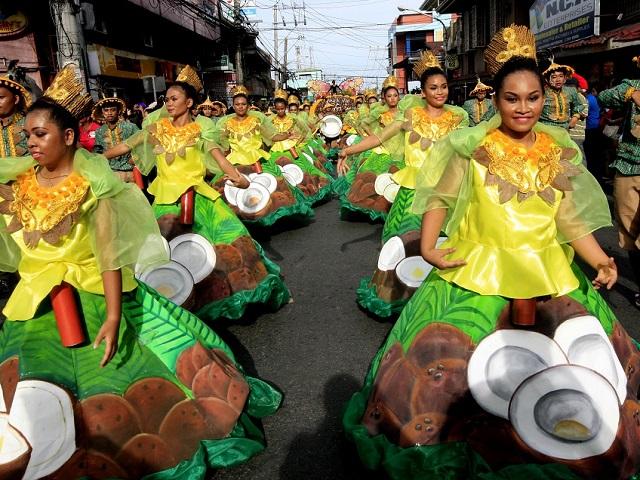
<point x="15" y="452"/>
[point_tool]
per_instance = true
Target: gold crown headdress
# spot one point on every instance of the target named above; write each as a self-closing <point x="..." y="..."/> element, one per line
<point x="293" y="100"/>
<point x="206" y="103"/>
<point x="114" y="101"/>
<point x="67" y="91"/>
<point x="189" y="76"/>
<point x="509" y="42"/>
<point x="427" y="60"/>
<point x="239" y="90"/>
<point x="390" y="82"/>
<point x="15" y="87"/>
<point x="281" y="94"/>
<point x="556" y="67"/>
<point x="370" y="93"/>
<point x="480" y="87"/>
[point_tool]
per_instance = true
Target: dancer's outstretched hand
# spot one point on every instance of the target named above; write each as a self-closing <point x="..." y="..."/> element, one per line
<point x="109" y="333"/>
<point x="607" y="275"/>
<point x="435" y="257"/>
<point x="343" y="167"/>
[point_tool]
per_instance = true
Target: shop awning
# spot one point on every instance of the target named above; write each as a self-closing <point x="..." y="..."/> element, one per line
<point x="621" y="35"/>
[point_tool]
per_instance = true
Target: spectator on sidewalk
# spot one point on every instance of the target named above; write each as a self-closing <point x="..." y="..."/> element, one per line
<point x="593" y="141"/>
<point x="626" y="97"/>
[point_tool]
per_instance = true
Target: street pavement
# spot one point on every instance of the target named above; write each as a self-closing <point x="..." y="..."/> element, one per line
<point x="317" y="349"/>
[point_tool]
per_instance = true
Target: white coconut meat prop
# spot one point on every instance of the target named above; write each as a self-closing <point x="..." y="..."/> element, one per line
<point x="254" y="200"/>
<point x="195" y="253"/>
<point x="412" y="271"/>
<point x="308" y="157"/>
<point x="585" y="342"/>
<point x="382" y="182"/>
<point x="43" y="413"/>
<point x="293" y="174"/>
<point x="265" y="179"/>
<point x="503" y="360"/>
<point x="391" y="254"/>
<point x="391" y="192"/>
<point x="172" y="280"/>
<point x="15" y="450"/>
<point x="567" y="412"/>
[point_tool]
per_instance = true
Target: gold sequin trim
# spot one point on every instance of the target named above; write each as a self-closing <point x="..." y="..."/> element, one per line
<point x="173" y="141"/>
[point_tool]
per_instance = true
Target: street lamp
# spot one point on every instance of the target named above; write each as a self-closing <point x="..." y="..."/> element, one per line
<point x="432" y="14"/>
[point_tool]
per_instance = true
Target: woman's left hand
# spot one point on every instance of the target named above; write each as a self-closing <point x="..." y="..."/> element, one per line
<point x="109" y="333"/>
<point x="607" y="275"/>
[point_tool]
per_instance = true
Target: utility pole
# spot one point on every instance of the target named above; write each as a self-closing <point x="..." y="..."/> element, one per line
<point x="71" y="46"/>
<point x="275" y="45"/>
<point x="237" y="18"/>
<point x="286" y="60"/>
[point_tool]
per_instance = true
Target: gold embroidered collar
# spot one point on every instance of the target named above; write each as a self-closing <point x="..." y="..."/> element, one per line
<point x="247" y="126"/>
<point x="387" y="118"/>
<point x="171" y="140"/>
<point x="43" y="213"/>
<point x="427" y="129"/>
<point x="283" y="124"/>
<point x="516" y="170"/>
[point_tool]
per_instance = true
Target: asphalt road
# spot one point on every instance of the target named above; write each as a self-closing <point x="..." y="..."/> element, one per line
<point x="317" y="349"/>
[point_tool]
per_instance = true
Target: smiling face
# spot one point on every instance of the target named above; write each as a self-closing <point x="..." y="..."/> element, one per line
<point x="177" y="102"/>
<point x="436" y="90"/>
<point x="519" y="102"/>
<point x="8" y="102"/>
<point x="48" y="143"/>
<point x="207" y="111"/>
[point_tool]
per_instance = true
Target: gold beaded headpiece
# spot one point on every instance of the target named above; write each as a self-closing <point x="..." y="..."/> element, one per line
<point x="555" y="67"/>
<point x="16" y="88"/>
<point x="189" y="76"/>
<point x="239" y="90"/>
<point x="206" y="103"/>
<point x="427" y="60"/>
<point x="390" y="82"/>
<point x="370" y="93"/>
<point x="480" y="87"/>
<point x="509" y="42"/>
<point x="293" y="100"/>
<point x="281" y="94"/>
<point x="67" y="91"/>
<point x="96" y="112"/>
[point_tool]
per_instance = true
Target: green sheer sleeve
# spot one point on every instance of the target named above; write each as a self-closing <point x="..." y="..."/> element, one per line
<point x="302" y="126"/>
<point x="207" y="142"/>
<point x="267" y="130"/>
<point x="9" y="250"/>
<point x="123" y="228"/>
<point x="141" y="147"/>
<point x="221" y="134"/>
<point x="407" y="103"/>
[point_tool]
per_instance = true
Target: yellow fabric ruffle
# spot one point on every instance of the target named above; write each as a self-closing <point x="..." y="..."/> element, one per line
<point x="511" y="249"/>
<point x="284" y="145"/>
<point x="181" y="174"/>
<point x="45" y="266"/>
<point x="246" y="151"/>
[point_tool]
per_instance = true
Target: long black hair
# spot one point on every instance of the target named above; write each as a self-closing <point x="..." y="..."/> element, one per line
<point x="58" y="115"/>
<point x="516" y="64"/>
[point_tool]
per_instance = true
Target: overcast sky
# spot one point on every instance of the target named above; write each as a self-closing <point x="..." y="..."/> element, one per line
<point x="343" y="52"/>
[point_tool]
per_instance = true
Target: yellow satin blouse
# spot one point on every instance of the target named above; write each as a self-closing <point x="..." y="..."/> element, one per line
<point x="245" y="141"/>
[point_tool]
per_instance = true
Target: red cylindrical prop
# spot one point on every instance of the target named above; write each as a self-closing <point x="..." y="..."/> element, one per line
<point x="294" y="152"/>
<point x="137" y="177"/>
<point x="65" y="309"/>
<point x="186" y="207"/>
<point x="523" y="311"/>
<point x="257" y="167"/>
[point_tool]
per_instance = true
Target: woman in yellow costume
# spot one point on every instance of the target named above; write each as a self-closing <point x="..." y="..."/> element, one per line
<point x="423" y="120"/>
<point x="367" y="180"/>
<point x="184" y="152"/>
<point x="315" y="184"/>
<point x="135" y="396"/>
<point x="242" y="134"/>
<point x="506" y="363"/>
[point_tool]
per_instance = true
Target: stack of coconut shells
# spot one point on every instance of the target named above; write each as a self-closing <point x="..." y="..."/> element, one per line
<point x="266" y="194"/>
<point x="200" y="273"/>
<point x="401" y="268"/>
<point x="308" y="184"/>
<point x="374" y="192"/>
<point x="561" y="392"/>
<point x="152" y="427"/>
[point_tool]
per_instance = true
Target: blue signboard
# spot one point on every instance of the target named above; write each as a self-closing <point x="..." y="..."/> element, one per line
<point x="557" y="22"/>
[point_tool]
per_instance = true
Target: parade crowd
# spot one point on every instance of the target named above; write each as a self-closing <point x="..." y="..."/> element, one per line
<point x="125" y="236"/>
